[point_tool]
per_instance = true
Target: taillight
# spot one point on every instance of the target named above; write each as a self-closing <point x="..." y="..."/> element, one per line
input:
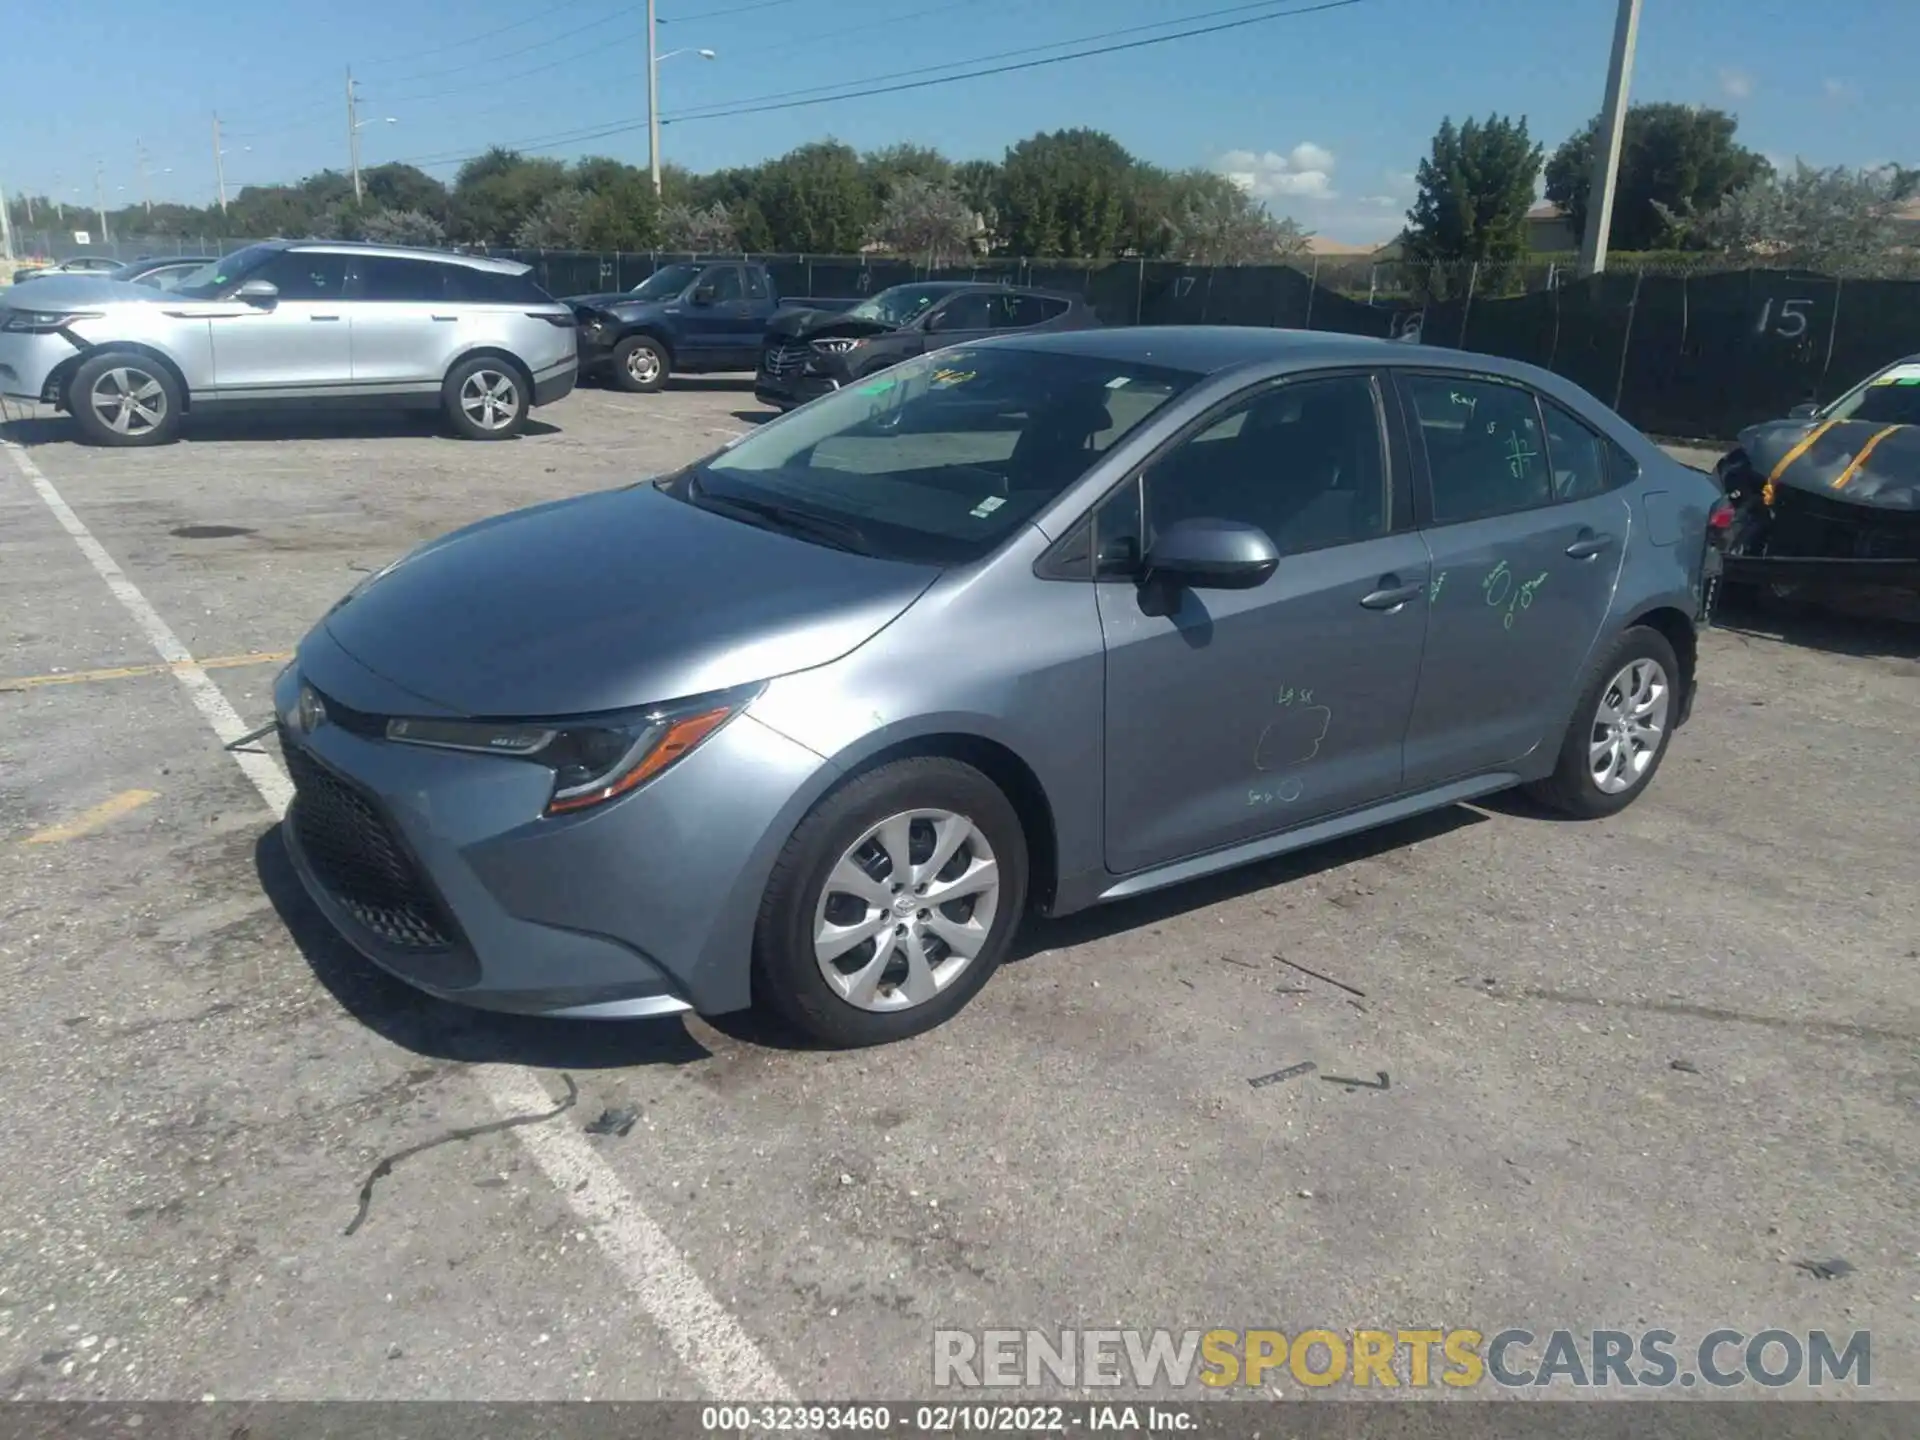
<point x="1720" y="523"/>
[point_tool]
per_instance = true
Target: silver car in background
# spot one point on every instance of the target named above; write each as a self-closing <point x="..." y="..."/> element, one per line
<point x="292" y="324"/>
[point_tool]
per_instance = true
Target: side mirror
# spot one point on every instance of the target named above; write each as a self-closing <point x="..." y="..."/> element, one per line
<point x="934" y="322"/>
<point x="263" y="293"/>
<point x="703" y="294"/>
<point x="1211" y="555"/>
<point x="1805" y="410"/>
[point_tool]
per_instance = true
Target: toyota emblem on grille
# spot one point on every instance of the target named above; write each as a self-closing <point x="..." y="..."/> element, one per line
<point x="313" y="710"/>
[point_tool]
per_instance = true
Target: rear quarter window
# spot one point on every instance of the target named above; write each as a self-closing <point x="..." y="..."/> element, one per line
<point x="494" y="287"/>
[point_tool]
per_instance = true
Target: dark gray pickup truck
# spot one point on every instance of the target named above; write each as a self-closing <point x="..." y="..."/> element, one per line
<point x="691" y="318"/>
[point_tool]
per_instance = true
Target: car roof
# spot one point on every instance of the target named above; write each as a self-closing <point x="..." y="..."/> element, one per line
<point x="1205" y="349"/>
<point x="404" y="252"/>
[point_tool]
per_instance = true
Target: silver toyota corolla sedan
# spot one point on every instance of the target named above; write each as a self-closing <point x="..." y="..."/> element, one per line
<point x="1030" y="624"/>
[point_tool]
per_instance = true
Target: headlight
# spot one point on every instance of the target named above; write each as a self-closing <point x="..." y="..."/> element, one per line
<point x="593" y="760"/>
<point x="835" y="345"/>
<point x="44" y="322"/>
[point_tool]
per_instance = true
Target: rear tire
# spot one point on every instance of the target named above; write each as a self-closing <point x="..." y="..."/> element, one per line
<point x="121" y="397"/>
<point x="640" y="365"/>
<point x="486" y="398"/>
<point x="902" y="960"/>
<point x="1620" y="729"/>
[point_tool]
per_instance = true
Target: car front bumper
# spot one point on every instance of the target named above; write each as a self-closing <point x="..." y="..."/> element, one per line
<point x="784" y="392"/>
<point x="28" y="361"/>
<point x="443" y="869"/>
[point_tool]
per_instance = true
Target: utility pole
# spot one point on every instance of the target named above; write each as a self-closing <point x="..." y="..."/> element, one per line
<point x="100" y="200"/>
<point x="353" y="137"/>
<point x="140" y="164"/>
<point x="1606" y="142"/>
<point x="219" y="163"/>
<point x="6" y="228"/>
<point x="653" y="101"/>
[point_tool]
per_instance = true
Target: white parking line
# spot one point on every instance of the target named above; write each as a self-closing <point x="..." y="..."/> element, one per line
<point x="698" y="1328"/>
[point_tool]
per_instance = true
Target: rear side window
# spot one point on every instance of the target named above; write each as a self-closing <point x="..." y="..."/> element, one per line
<point x="1577" y="455"/>
<point x="382" y="277"/>
<point x="492" y="287"/>
<point x="1017" y="312"/>
<point x="1622" y="468"/>
<point x="1486" y="450"/>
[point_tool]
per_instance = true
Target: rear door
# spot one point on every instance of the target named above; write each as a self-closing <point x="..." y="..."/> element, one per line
<point x="299" y="343"/>
<point x="402" y="323"/>
<point x="1527" y="543"/>
<point x="723" y="330"/>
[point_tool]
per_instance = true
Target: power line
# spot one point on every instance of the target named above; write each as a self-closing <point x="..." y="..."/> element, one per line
<point x="489" y="34"/>
<point x="492" y="81"/>
<point x="508" y="55"/>
<point x="978" y="59"/>
<point x="738" y="10"/>
<point x="866" y="27"/>
<point x="625" y="127"/>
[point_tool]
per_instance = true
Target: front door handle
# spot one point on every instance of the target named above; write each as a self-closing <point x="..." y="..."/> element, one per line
<point x="1391" y="595"/>
<point x="1589" y="545"/>
<point x="446" y="317"/>
<point x="323" y="317"/>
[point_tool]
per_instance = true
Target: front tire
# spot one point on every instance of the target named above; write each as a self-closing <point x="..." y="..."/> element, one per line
<point x="121" y="397"/>
<point x="1620" y="729"/>
<point x="485" y="398"/>
<point x="892" y="904"/>
<point x="640" y="365"/>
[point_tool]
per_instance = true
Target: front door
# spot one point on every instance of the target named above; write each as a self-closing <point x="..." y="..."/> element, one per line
<point x="962" y="318"/>
<point x="1527" y="542"/>
<point x="298" y="342"/>
<point x="1232" y="714"/>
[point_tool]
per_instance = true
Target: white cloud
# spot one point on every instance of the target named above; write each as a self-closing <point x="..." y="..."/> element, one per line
<point x="1736" y="84"/>
<point x="1839" y="89"/>
<point x="1385" y="202"/>
<point x="1305" y="172"/>
<point x="1402" y="182"/>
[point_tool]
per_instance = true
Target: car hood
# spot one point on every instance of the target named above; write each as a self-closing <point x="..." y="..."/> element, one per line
<point x="811" y="324"/>
<point x="57" y="292"/>
<point x="1888" y="478"/>
<point x="611" y="600"/>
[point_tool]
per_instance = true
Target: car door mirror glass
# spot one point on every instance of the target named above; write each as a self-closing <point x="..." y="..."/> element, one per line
<point x="1206" y="554"/>
<point x="257" y="292"/>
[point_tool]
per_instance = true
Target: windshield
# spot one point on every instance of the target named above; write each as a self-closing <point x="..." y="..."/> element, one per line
<point x="938" y="459"/>
<point x="1890" y="398"/>
<point x="666" y="283"/>
<point x="209" y="280"/>
<point x="899" y="305"/>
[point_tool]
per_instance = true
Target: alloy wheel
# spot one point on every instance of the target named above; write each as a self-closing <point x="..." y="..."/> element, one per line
<point x="490" y="399"/>
<point x="906" y="909"/>
<point x="1628" y="726"/>
<point x="129" y="401"/>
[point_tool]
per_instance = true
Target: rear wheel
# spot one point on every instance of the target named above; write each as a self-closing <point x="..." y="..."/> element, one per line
<point x="1620" y="729"/>
<point x="485" y="399"/>
<point x="640" y="364"/>
<point x="893" y="903"/>
<point x="125" y="398"/>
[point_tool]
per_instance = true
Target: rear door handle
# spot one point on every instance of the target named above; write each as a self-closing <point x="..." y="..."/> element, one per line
<point x="446" y="317"/>
<point x="1588" y="546"/>
<point x="1391" y="595"/>
<point x="323" y="317"/>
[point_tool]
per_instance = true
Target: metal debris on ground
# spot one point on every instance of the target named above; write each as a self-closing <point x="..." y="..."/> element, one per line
<point x="1229" y="960"/>
<point x="1383" y="1083"/>
<point x="1685" y="1067"/>
<point x="468" y="1132"/>
<point x="613" y="1122"/>
<point x="1824" y="1269"/>
<point x="1259" y="1082"/>
<point x="1325" y="979"/>
<point x="251" y="736"/>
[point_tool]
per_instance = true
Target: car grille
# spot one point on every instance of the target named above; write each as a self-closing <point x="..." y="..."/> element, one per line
<point x="781" y="361"/>
<point x="1815" y="525"/>
<point x="356" y="854"/>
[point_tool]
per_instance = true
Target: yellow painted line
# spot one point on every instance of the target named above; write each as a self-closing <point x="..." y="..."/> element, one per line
<point x="1861" y="459"/>
<point x="107" y="811"/>
<point x="1797" y="451"/>
<point x="124" y="672"/>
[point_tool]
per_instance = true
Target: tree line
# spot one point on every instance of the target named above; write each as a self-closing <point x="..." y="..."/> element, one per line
<point x="1686" y="184"/>
<point x="1063" y="193"/>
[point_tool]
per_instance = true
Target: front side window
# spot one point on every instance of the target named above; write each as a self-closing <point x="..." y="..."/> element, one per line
<point x="1486" y="451"/>
<point x="756" y="283"/>
<point x="972" y="310"/>
<point x="937" y="459"/>
<point x="1302" y="461"/>
<point x="211" y="281"/>
<point x="898" y="304"/>
<point x="666" y="282"/>
<point x="305" y="274"/>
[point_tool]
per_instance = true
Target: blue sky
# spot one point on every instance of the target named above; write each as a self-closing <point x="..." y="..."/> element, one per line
<point x="1324" y="115"/>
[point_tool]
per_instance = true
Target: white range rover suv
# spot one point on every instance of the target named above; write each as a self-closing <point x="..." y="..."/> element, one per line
<point x="289" y="324"/>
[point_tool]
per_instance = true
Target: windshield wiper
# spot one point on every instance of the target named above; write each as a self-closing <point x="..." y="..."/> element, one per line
<point x="837" y="533"/>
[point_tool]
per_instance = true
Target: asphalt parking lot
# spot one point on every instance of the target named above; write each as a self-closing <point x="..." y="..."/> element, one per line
<point x="1629" y="1073"/>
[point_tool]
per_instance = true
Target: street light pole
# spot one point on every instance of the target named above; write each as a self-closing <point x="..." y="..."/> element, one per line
<point x="353" y="138"/>
<point x="219" y="163"/>
<point x="653" y="101"/>
<point x="6" y="228"/>
<point x="1606" y="142"/>
<point x="100" y="200"/>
